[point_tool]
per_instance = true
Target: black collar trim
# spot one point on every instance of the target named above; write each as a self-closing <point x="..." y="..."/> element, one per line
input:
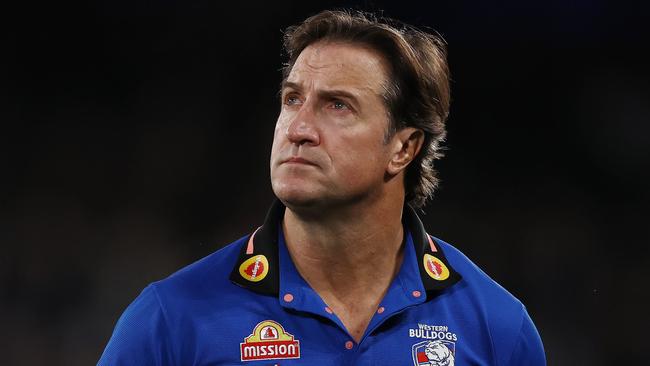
<point x="264" y="242"/>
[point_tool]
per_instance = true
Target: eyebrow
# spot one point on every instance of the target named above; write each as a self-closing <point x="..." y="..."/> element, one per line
<point x="325" y="94"/>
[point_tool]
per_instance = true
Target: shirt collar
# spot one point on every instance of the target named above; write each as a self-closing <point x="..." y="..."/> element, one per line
<point x="257" y="267"/>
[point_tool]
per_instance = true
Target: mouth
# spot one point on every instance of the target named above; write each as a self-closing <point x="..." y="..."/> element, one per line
<point x="298" y="160"/>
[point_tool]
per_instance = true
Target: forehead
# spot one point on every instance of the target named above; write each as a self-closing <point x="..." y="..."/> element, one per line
<point x="335" y="65"/>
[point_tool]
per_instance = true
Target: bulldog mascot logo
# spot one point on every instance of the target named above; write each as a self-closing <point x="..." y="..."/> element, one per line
<point x="434" y="353"/>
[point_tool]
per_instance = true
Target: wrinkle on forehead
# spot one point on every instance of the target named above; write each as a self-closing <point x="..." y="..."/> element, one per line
<point x="335" y="65"/>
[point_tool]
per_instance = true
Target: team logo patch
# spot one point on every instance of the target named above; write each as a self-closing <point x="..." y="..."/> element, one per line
<point x="434" y="353"/>
<point x="254" y="268"/>
<point x="439" y="348"/>
<point x="269" y="341"/>
<point x="435" y="268"/>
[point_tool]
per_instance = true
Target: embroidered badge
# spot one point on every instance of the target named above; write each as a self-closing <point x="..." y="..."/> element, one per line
<point x="433" y="332"/>
<point x="439" y="349"/>
<point x="269" y="341"/>
<point x="435" y="268"/>
<point x="254" y="268"/>
<point x="434" y="353"/>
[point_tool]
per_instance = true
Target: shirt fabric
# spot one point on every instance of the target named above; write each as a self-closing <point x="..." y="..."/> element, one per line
<point x="246" y="304"/>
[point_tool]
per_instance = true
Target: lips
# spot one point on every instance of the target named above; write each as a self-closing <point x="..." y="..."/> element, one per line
<point x="297" y="160"/>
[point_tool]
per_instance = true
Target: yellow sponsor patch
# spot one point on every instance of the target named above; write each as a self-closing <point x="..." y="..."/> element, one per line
<point x="435" y="268"/>
<point x="254" y="268"/>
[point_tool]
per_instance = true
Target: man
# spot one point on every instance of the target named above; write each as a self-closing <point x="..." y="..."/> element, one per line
<point x="342" y="271"/>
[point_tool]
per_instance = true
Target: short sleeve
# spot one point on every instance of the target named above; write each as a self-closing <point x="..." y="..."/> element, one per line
<point x="528" y="350"/>
<point x="141" y="336"/>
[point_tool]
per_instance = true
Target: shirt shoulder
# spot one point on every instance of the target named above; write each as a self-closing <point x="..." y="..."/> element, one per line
<point x="513" y="335"/>
<point x="143" y="335"/>
<point x="203" y="277"/>
<point x="476" y="281"/>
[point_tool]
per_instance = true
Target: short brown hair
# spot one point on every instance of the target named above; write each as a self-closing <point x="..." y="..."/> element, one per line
<point x="416" y="92"/>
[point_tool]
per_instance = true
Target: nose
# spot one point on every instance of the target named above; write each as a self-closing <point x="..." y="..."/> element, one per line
<point x="302" y="130"/>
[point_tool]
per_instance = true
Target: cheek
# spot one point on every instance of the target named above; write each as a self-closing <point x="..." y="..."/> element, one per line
<point x="361" y="158"/>
<point x="278" y="135"/>
<point x="280" y="123"/>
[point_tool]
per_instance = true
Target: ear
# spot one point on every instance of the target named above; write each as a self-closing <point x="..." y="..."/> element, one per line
<point x="406" y="144"/>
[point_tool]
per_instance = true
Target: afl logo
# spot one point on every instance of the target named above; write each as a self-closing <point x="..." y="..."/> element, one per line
<point x="435" y="268"/>
<point x="254" y="268"/>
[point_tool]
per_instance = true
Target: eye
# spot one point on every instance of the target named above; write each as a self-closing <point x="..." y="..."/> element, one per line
<point x="337" y="104"/>
<point x="291" y="100"/>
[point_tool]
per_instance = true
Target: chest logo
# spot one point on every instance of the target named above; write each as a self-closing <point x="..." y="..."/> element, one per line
<point x="254" y="268"/>
<point x="435" y="268"/>
<point x="269" y="341"/>
<point x="434" y="353"/>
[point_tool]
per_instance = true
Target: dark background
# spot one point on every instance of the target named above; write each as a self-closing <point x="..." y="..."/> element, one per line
<point x="135" y="140"/>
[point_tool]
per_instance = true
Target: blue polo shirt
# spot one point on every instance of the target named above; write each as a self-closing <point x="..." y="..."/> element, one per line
<point x="246" y="304"/>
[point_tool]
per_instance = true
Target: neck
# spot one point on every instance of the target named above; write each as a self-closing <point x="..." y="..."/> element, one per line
<point x="339" y="253"/>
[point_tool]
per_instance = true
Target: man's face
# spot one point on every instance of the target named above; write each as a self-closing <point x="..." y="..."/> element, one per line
<point x="328" y="146"/>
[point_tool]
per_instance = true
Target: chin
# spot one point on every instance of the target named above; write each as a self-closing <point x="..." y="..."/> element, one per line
<point x="295" y="195"/>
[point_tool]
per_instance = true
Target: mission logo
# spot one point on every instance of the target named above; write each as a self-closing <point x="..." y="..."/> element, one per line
<point x="269" y="341"/>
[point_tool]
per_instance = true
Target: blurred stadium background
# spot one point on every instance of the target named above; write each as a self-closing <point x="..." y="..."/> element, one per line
<point x="136" y="134"/>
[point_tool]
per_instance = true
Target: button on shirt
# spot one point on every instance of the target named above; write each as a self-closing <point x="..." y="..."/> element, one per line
<point x="247" y="304"/>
